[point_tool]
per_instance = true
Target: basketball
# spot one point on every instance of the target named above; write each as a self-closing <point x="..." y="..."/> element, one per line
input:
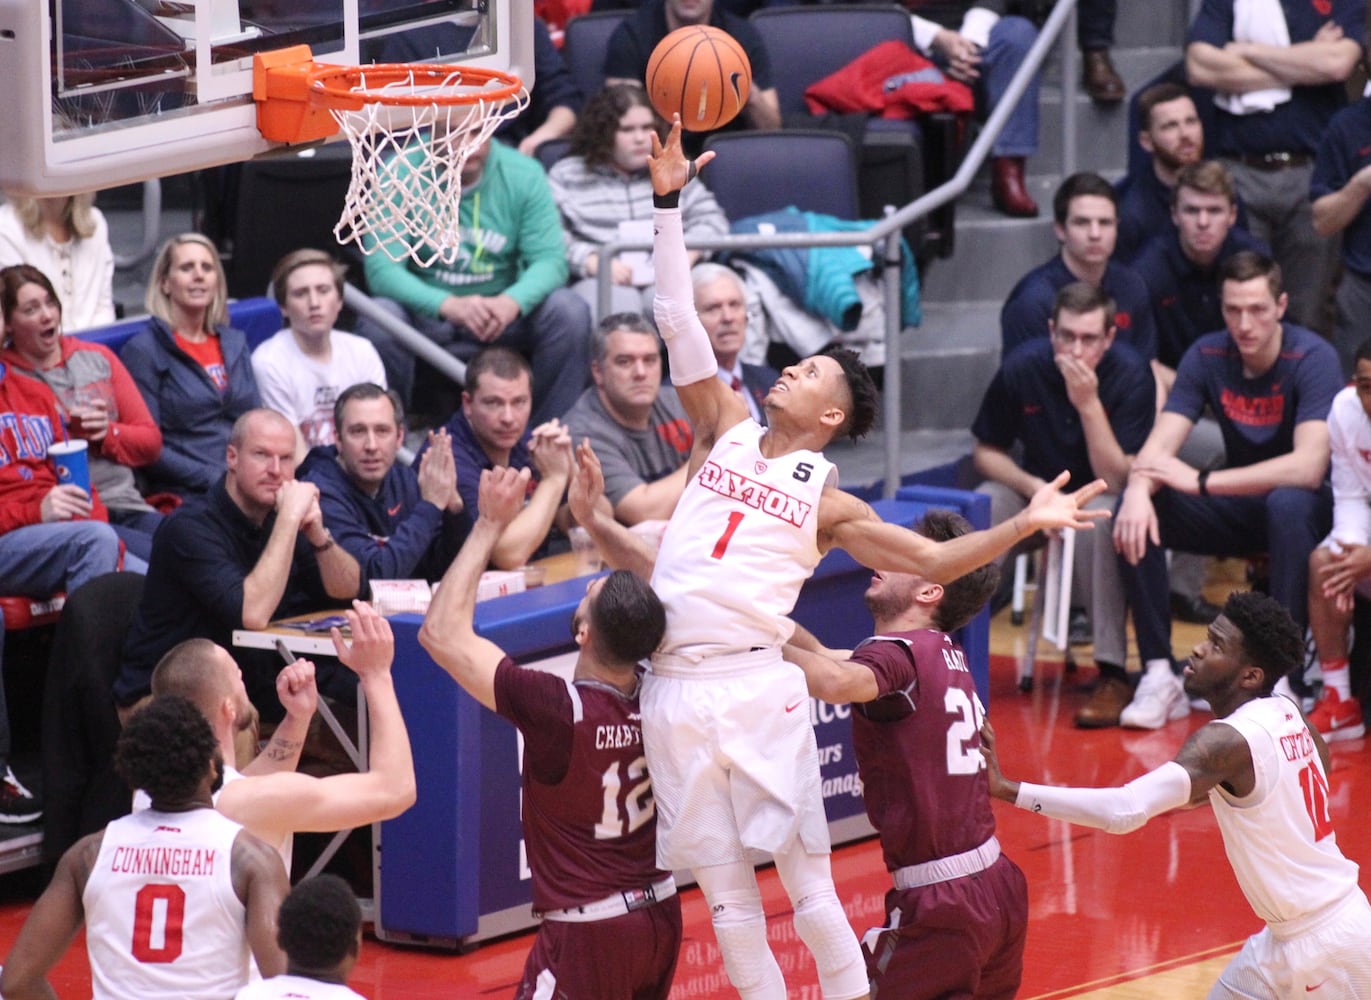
<point x="702" y="73"/>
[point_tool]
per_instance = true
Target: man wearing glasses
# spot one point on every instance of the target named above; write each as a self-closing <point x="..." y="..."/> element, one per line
<point x="1075" y="400"/>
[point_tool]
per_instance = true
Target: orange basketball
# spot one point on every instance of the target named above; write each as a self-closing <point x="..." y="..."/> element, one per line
<point x="702" y="73"/>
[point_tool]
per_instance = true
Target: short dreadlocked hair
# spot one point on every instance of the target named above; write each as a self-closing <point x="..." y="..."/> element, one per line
<point x="1270" y="638"/>
<point x="318" y="923"/>
<point x="166" y="749"/>
<point x="861" y="389"/>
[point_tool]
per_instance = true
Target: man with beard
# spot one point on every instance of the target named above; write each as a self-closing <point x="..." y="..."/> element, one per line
<point x="1172" y="133"/>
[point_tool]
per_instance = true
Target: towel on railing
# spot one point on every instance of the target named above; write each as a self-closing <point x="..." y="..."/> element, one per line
<point x="1257" y="21"/>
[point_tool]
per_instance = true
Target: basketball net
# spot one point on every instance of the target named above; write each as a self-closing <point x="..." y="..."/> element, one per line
<point x="410" y="139"/>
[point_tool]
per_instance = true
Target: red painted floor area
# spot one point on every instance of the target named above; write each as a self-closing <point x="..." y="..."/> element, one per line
<point x="1103" y="908"/>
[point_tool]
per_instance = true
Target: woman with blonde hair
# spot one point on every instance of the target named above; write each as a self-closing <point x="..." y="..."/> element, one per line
<point x="68" y="240"/>
<point x="193" y="369"/>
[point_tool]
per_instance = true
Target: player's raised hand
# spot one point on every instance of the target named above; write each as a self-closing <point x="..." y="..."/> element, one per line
<point x="1008" y="791"/>
<point x="296" y="689"/>
<point x="501" y="494"/>
<point x="1051" y="508"/>
<point x="587" y="484"/>
<point x="671" y="169"/>
<point x="373" y="646"/>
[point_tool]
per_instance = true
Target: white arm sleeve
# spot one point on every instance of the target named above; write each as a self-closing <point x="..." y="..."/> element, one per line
<point x="1113" y="810"/>
<point x="673" y="305"/>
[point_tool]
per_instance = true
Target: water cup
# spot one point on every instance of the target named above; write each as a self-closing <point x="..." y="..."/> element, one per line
<point x="69" y="459"/>
<point x="583" y="548"/>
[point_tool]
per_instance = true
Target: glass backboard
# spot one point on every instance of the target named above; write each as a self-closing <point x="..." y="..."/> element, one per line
<point x="108" y="92"/>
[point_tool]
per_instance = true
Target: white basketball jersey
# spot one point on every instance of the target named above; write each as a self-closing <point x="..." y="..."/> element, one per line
<point x="740" y="544"/>
<point x="1349" y="439"/>
<point x="286" y="848"/>
<point x="296" y="988"/>
<point x="1280" y="838"/>
<point x="162" y="919"/>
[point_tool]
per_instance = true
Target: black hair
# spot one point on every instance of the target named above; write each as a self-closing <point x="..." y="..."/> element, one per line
<point x="318" y="923"/>
<point x="1270" y="638"/>
<point x="627" y="619"/>
<point x="863" y="395"/>
<point x="966" y="595"/>
<point x="1080" y="185"/>
<point x="166" y="749"/>
<point x="1363" y="351"/>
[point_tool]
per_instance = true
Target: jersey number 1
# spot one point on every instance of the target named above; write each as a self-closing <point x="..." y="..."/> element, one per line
<point x="1315" y="788"/>
<point x="735" y="518"/>
<point x="158" y="913"/>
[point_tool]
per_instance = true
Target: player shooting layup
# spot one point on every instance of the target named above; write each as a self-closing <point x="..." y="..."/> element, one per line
<point x="725" y="719"/>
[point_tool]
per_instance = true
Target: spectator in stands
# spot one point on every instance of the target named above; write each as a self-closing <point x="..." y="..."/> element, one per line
<point x="1075" y="400"/>
<point x="320" y="930"/>
<point x="1086" y="221"/>
<point x="1279" y="86"/>
<point x="604" y="187"/>
<point x="1095" y="36"/>
<point x="52" y="536"/>
<point x="67" y="239"/>
<point x="1340" y="186"/>
<point x="1340" y="568"/>
<point x="1269" y="384"/>
<point x="193" y="369"/>
<point x="252" y="549"/>
<point x="301" y="370"/>
<point x="636" y="425"/>
<point x="506" y="287"/>
<point x="492" y="429"/>
<point x="632" y="43"/>
<point x="722" y="308"/>
<point x="974" y="42"/>
<point x="397" y="524"/>
<point x="554" y="102"/>
<point x="1180" y="265"/>
<point x="1173" y="136"/>
<point x="98" y="400"/>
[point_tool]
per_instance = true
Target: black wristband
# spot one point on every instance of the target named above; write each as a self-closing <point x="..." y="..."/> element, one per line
<point x="1204" y="482"/>
<point x="670" y="200"/>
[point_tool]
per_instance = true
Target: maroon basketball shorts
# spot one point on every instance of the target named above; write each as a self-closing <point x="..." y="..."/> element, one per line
<point x="960" y="938"/>
<point x="630" y="957"/>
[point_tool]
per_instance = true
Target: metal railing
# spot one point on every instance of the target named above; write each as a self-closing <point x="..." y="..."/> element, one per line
<point x="884" y="236"/>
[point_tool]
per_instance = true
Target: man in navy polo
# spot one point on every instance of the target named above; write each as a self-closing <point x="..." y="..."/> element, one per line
<point x="1075" y="400"/>
<point x="1180" y="265"/>
<point x="1340" y="187"/>
<point x="1277" y="93"/>
<point x="1086" y="225"/>
<point x="1270" y="385"/>
<point x="1172" y="134"/>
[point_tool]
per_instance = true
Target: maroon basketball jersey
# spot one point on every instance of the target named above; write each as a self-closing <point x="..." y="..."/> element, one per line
<point x="590" y="823"/>
<point x="918" y="749"/>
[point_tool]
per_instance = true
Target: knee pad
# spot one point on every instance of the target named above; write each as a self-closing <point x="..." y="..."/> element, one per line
<point x="740" y="929"/>
<point x="822" y="926"/>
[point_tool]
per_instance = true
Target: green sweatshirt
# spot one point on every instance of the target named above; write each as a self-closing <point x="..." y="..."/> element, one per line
<point x="512" y="242"/>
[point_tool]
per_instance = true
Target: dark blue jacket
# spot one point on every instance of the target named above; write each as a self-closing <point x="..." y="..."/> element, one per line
<point x="395" y="535"/>
<point x="194" y="415"/>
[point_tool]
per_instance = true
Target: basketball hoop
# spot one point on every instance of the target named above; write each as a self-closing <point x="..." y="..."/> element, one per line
<point x="412" y="127"/>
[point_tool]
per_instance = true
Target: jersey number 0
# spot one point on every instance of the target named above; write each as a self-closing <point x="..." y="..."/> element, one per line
<point x="158" y="913"/>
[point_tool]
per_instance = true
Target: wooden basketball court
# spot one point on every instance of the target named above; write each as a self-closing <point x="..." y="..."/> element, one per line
<point x="1155" y="913"/>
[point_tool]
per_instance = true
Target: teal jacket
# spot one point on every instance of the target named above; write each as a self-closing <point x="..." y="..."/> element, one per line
<point x="512" y="243"/>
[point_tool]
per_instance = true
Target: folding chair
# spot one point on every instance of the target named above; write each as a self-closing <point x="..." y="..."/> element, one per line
<point x="1051" y="618"/>
<point x="583" y="51"/>
<point x="764" y="171"/>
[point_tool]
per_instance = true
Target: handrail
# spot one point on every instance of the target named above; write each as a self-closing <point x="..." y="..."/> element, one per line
<point x="411" y="338"/>
<point x="889" y="227"/>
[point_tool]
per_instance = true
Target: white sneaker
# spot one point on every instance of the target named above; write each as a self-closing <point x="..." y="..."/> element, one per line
<point x="1159" y="699"/>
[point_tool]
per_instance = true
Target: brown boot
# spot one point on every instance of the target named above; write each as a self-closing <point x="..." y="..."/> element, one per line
<point x="1007" y="188"/>
<point x="1111" y="696"/>
<point x="1101" y="81"/>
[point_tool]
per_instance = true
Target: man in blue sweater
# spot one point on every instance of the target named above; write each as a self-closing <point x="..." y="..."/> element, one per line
<point x="398" y="523"/>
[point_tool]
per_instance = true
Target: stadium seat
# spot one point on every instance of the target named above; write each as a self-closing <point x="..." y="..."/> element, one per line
<point x="763" y="171"/>
<point x="587" y="37"/>
<point x="898" y="160"/>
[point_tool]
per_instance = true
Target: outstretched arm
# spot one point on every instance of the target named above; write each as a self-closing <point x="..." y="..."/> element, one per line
<point x="711" y="406"/>
<point x="834" y="679"/>
<point x="619" y="547"/>
<point x="449" y="632"/>
<point x="1211" y="755"/>
<point x="851" y="524"/>
<point x="275" y="805"/>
